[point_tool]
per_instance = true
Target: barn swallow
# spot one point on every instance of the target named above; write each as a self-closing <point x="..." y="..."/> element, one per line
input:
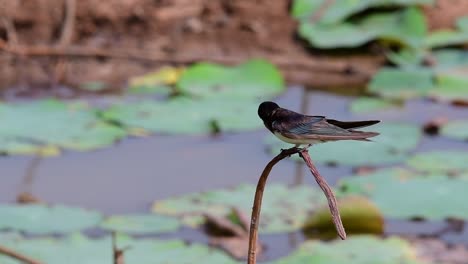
<point x="299" y="129"/>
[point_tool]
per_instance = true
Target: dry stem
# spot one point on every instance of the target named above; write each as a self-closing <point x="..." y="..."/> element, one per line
<point x="253" y="234"/>
<point x="9" y="252"/>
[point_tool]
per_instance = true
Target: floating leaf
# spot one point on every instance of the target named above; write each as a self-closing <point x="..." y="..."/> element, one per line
<point x="369" y="104"/>
<point x="358" y="214"/>
<point x="402" y="194"/>
<point x="38" y="126"/>
<point x="141" y="223"/>
<point x="355" y="250"/>
<point x="155" y="82"/>
<point x="406" y="28"/>
<point x="77" y="249"/>
<point x="391" y="146"/>
<point x="401" y="84"/>
<point x="457" y="129"/>
<point x="42" y="219"/>
<point x="340" y="10"/>
<point x="186" y="116"/>
<point x="284" y="209"/>
<point x="446" y="37"/>
<point x="450" y="87"/>
<point x="440" y="161"/>
<point x="303" y="9"/>
<point x="251" y="80"/>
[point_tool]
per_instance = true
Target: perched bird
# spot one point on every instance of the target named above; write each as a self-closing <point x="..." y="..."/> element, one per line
<point x="299" y="129"/>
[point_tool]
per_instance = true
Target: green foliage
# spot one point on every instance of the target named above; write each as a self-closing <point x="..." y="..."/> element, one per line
<point x="186" y="116"/>
<point x="355" y="250"/>
<point x="401" y="84"/>
<point x="281" y="211"/>
<point x="141" y="223"/>
<point x="358" y="214"/>
<point x="254" y="79"/>
<point x="440" y="161"/>
<point x="43" y="219"/>
<point x="406" y="28"/>
<point x="35" y="127"/>
<point x="402" y="194"/>
<point x="338" y="11"/>
<point x="457" y="129"/>
<point x="370" y="104"/>
<point x="77" y="249"/>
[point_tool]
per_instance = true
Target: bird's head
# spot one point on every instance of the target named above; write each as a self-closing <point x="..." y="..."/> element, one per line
<point x="266" y="109"/>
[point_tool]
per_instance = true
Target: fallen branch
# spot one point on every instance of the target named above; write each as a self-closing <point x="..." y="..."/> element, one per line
<point x="255" y="219"/>
<point x="13" y="254"/>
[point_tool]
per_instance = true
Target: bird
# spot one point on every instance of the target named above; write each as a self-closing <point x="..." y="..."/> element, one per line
<point x="295" y="128"/>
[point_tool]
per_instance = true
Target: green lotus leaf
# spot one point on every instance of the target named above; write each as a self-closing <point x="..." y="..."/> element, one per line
<point x="356" y="250"/>
<point x="440" y="161"/>
<point x="403" y="194"/>
<point x="43" y="219"/>
<point x="141" y="223"/>
<point x="255" y="79"/>
<point x="283" y="210"/>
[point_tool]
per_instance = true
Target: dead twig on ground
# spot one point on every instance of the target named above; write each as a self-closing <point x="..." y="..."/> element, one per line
<point x="13" y="254"/>
<point x="255" y="219"/>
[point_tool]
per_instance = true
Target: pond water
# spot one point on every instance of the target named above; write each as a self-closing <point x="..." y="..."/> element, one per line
<point x="128" y="177"/>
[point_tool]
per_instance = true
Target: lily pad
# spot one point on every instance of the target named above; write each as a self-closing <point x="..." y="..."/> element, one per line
<point x="447" y="37"/>
<point x="29" y="127"/>
<point x="355" y="250"/>
<point x="186" y="116"/>
<point x="157" y="82"/>
<point x="450" y="87"/>
<point x="255" y="79"/>
<point x="406" y="28"/>
<point x="43" y="219"/>
<point x="401" y="84"/>
<point x="391" y="146"/>
<point x="283" y="210"/>
<point x="340" y="10"/>
<point x="78" y="249"/>
<point x="402" y="194"/>
<point x="440" y="161"/>
<point x="369" y="104"/>
<point x="457" y="129"/>
<point x="358" y="214"/>
<point x="141" y="224"/>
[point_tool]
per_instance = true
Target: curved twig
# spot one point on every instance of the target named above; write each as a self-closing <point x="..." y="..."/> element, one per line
<point x="328" y="193"/>
<point x="13" y="254"/>
<point x="253" y="234"/>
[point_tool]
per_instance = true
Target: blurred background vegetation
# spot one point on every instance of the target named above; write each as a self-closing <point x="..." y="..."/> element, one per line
<point x="139" y="117"/>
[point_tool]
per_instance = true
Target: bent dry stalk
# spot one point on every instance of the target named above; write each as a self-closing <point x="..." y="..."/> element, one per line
<point x="255" y="219"/>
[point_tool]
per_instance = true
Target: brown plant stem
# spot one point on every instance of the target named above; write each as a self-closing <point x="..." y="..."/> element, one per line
<point x="9" y="252"/>
<point x="328" y="193"/>
<point x="255" y="219"/>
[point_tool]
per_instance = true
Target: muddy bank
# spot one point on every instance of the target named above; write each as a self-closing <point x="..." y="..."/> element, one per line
<point x="49" y="43"/>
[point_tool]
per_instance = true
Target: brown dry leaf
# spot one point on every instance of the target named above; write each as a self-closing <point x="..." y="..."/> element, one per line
<point x="230" y="233"/>
<point x="433" y="126"/>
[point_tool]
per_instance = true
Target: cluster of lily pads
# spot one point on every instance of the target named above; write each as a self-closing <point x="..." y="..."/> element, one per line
<point x="203" y="98"/>
<point x="306" y="210"/>
<point x="422" y="66"/>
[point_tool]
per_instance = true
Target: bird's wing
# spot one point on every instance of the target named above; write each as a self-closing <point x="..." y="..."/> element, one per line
<point x="317" y="127"/>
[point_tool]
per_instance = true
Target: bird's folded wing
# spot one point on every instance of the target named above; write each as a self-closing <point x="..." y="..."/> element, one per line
<point x="318" y="128"/>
